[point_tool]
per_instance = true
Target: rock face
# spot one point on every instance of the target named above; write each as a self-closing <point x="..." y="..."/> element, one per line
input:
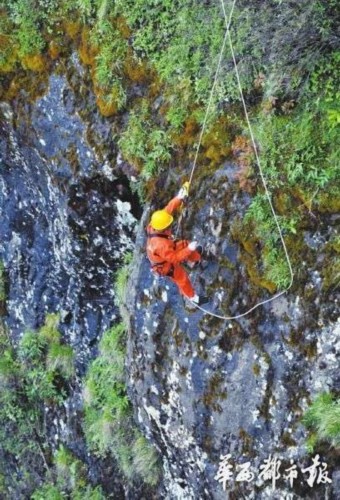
<point x="203" y="388"/>
<point x="65" y="215"/>
<point x="67" y="218"/>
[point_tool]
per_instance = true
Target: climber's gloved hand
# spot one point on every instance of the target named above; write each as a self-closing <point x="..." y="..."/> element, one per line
<point x="184" y="191"/>
<point x="193" y="245"/>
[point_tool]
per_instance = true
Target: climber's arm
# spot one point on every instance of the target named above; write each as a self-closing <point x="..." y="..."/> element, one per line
<point x="173" y="205"/>
<point x="178" y="200"/>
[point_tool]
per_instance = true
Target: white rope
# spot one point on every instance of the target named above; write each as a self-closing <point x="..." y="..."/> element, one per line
<point x="228" y="22"/>
<point x="227" y="35"/>
<point x="208" y="109"/>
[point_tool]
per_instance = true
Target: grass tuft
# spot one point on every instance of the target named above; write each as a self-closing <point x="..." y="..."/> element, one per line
<point x="323" y="418"/>
<point x="61" y="358"/>
<point x="146" y="461"/>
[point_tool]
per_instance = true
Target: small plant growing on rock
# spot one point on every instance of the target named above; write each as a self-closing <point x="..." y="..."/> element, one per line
<point x="50" y="328"/>
<point x="145" y="460"/>
<point x="323" y="418"/>
<point x="121" y="280"/>
<point x="61" y="358"/>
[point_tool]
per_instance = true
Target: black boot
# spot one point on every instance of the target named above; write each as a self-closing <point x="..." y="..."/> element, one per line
<point x="203" y="300"/>
<point x="200" y="299"/>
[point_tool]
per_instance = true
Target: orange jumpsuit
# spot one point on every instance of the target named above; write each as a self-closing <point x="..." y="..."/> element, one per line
<point x="166" y="254"/>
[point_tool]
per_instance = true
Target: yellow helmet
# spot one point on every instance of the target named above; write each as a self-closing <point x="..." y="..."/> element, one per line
<point x="160" y="220"/>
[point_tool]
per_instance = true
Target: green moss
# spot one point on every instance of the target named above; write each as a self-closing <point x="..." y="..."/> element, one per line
<point x="112" y="346"/>
<point x="311" y="442"/>
<point x="121" y="279"/>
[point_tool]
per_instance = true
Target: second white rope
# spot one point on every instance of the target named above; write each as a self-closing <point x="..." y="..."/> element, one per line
<point x="227" y="35"/>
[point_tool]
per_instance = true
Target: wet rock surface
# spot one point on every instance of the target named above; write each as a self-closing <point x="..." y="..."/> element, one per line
<point x="203" y="388"/>
<point x="67" y="218"/>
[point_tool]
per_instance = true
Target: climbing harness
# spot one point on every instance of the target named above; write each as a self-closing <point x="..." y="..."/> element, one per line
<point x="161" y="268"/>
<point x="228" y="36"/>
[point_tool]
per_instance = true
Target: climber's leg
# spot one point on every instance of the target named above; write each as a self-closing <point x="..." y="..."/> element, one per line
<point x="182" y="280"/>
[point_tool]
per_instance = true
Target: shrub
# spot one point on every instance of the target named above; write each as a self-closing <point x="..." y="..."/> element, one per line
<point x="50" y="328"/>
<point x="48" y="492"/>
<point x="27" y="32"/>
<point x="275" y="266"/>
<point x="298" y="154"/>
<point x="143" y="144"/>
<point x="112" y="349"/>
<point x="27" y="386"/>
<point x="112" y="51"/>
<point x="70" y="471"/>
<point x="32" y="348"/>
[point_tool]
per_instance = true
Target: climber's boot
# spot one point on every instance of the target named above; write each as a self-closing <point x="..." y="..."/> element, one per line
<point x="199" y="299"/>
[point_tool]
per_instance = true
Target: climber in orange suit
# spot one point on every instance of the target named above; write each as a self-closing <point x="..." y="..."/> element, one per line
<point x="166" y="254"/>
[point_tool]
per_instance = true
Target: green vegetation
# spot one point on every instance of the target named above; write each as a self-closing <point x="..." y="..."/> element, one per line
<point x="259" y="214"/>
<point x="323" y="418"/>
<point x="67" y="479"/>
<point x="121" y="279"/>
<point x="111" y="51"/>
<point x="34" y="379"/>
<point x="27" y="33"/>
<point x="144" y="145"/>
<point x="299" y="156"/>
<point x="108" y="423"/>
<point x="173" y="47"/>
<point x="28" y="385"/>
<point x="61" y="357"/>
<point x="299" y="148"/>
<point x="187" y="35"/>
